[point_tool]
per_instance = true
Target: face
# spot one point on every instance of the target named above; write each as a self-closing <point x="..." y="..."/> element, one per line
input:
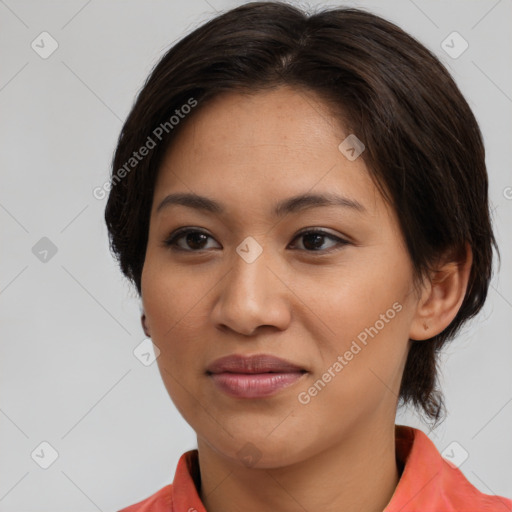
<point x="326" y="287"/>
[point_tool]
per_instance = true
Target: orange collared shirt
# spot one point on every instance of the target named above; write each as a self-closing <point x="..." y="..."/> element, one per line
<point x="429" y="483"/>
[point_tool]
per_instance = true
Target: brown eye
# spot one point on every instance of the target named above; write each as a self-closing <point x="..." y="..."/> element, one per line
<point x="315" y="239"/>
<point x="194" y="240"/>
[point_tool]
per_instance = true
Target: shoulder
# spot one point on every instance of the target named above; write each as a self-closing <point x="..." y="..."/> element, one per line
<point x="160" y="501"/>
<point x="456" y="490"/>
<point x="431" y="482"/>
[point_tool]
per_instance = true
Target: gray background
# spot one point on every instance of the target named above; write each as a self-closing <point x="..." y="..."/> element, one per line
<point x="69" y="325"/>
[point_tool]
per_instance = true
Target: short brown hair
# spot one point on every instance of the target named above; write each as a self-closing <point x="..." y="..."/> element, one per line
<point x="424" y="148"/>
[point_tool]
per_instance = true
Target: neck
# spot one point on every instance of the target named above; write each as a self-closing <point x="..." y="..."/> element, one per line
<point x="358" y="473"/>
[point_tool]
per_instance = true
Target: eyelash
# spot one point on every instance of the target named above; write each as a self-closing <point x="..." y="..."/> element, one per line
<point x="170" y="242"/>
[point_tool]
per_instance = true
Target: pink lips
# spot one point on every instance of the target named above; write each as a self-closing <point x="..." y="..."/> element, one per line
<point x="256" y="376"/>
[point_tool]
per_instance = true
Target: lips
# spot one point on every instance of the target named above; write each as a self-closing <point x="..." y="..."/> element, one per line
<point x="261" y="363"/>
<point x="253" y="377"/>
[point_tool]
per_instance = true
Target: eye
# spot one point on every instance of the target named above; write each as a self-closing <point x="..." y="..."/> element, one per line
<point x="314" y="239"/>
<point x="193" y="237"/>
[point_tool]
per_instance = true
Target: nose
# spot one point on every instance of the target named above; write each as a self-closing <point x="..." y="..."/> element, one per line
<point x="252" y="295"/>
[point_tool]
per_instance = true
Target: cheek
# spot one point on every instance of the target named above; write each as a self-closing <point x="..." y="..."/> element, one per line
<point x="169" y="295"/>
<point x="172" y="304"/>
<point x="367" y="310"/>
<point x="370" y="346"/>
<point x="362" y="295"/>
<point x="360" y="372"/>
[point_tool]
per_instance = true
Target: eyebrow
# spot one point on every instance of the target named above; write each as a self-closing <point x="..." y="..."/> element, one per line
<point x="291" y="205"/>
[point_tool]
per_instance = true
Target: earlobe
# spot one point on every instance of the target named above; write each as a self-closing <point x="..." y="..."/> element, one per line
<point x="442" y="298"/>
<point x="144" y="325"/>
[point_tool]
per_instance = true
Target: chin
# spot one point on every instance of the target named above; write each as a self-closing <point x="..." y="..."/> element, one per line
<point x="255" y="451"/>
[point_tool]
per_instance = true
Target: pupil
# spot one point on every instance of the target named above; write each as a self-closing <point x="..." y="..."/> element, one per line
<point x="318" y="241"/>
<point x="191" y="237"/>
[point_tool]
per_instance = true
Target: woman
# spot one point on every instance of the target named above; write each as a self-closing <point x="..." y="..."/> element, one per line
<point x="301" y="203"/>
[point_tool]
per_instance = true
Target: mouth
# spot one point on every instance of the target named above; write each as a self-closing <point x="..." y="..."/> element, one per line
<point x="256" y="376"/>
<point x="259" y="363"/>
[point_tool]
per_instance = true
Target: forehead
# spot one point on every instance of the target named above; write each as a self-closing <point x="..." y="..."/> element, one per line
<point x="276" y="120"/>
<point x="261" y="146"/>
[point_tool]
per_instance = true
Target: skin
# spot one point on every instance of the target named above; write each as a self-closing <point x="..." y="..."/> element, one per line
<point x="336" y="452"/>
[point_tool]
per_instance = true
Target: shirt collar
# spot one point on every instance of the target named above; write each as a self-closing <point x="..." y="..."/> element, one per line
<point x="428" y="482"/>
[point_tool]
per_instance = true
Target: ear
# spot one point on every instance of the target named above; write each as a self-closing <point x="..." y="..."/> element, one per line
<point x="145" y="327"/>
<point x="442" y="295"/>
